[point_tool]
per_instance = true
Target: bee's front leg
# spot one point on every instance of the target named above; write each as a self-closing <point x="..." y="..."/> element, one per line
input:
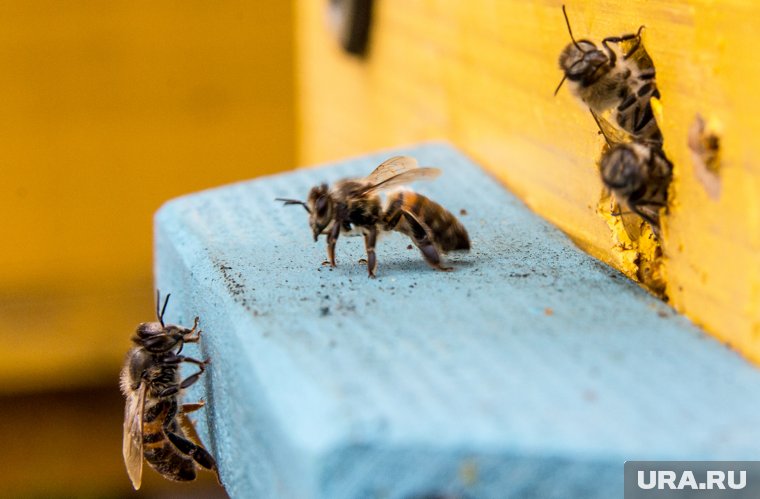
<point x="370" y="238"/>
<point x="332" y="238"/>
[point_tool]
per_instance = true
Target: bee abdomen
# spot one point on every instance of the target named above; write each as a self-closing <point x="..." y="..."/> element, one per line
<point x="446" y="231"/>
<point x="170" y="463"/>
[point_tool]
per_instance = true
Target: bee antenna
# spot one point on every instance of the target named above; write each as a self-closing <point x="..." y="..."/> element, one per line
<point x="294" y="201"/>
<point x="163" y="309"/>
<point x="560" y="84"/>
<point x="570" y="30"/>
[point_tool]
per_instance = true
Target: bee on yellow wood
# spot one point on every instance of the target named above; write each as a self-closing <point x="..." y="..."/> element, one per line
<point x="154" y="421"/>
<point x="352" y="205"/>
<point x="618" y="76"/>
<point x="636" y="172"/>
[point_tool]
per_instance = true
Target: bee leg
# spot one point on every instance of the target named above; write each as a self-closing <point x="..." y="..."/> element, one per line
<point x="652" y="219"/>
<point x="188" y="408"/>
<point x="370" y="238"/>
<point x="187" y="447"/>
<point x="636" y="45"/>
<point x="422" y="240"/>
<point x="620" y="213"/>
<point x="189" y="338"/>
<point x="624" y="38"/>
<point x="332" y="238"/>
<point x="187" y="381"/>
<point x="431" y="255"/>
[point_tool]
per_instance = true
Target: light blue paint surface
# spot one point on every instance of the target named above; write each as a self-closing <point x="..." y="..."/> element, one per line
<point x="325" y="384"/>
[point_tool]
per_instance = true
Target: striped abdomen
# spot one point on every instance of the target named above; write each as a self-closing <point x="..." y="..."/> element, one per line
<point x="160" y="453"/>
<point x="425" y="218"/>
<point x="635" y="114"/>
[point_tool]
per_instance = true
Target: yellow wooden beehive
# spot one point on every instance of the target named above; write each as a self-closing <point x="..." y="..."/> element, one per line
<point x="482" y="74"/>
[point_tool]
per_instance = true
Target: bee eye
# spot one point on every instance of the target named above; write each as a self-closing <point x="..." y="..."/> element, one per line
<point x="321" y="206"/>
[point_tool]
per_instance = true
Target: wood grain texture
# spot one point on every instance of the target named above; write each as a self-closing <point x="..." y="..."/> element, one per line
<point x="482" y="73"/>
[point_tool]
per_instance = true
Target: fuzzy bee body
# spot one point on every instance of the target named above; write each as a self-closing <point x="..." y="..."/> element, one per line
<point x="355" y="204"/>
<point x="159" y="452"/>
<point x="153" y="419"/>
<point x="639" y="175"/>
<point x="425" y="222"/>
<point x="619" y="78"/>
<point x="357" y="208"/>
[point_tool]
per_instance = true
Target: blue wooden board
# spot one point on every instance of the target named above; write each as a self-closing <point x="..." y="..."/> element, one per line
<point x="532" y="370"/>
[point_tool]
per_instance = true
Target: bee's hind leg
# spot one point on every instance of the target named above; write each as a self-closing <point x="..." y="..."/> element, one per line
<point x="185" y="446"/>
<point x="198" y="453"/>
<point x="431" y="255"/>
<point x="422" y="240"/>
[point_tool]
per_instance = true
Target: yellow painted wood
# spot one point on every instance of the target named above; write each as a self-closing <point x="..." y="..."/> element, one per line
<point x="107" y="110"/>
<point x="482" y="73"/>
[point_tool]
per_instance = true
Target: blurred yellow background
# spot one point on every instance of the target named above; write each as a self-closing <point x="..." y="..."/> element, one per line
<point x="107" y="110"/>
<point x="111" y="108"/>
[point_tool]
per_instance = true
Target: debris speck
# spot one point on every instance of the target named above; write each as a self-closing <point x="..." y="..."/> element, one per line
<point x="704" y="143"/>
<point x="324" y="311"/>
<point x="409" y="247"/>
<point x="463" y="212"/>
<point x="548" y="311"/>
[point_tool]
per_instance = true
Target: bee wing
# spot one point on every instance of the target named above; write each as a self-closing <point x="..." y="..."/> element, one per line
<point x="403" y="178"/>
<point x="612" y="134"/>
<point x="640" y="56"/>
<point x="390" y="168"/>
<point x="632" y="223"/>
<point x="133" y="435"/>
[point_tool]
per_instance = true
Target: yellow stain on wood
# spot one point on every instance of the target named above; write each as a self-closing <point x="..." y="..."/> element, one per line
<point x="109" y="109"/>
<point x="482" y="74"/>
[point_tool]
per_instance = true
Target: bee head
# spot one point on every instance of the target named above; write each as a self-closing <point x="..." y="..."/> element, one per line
<point x="581" y="60"/>
<point x="320" y="206"/>
<point x="623" y="168"/>
<point x="157" y="338"/>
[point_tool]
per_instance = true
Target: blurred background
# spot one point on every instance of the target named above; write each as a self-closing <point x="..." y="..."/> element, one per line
<point x="108" y="109"/>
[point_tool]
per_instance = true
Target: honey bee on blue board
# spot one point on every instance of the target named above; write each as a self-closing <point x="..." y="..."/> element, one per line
<point x="352" y="205"/>
<point x="154" y="420"/>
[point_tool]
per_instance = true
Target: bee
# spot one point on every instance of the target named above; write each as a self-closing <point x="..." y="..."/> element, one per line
<point x="606" y="78"/>
<point x="352" y="205"/>
<point x="637" y="172"/>
<point x="153" y="418"/>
